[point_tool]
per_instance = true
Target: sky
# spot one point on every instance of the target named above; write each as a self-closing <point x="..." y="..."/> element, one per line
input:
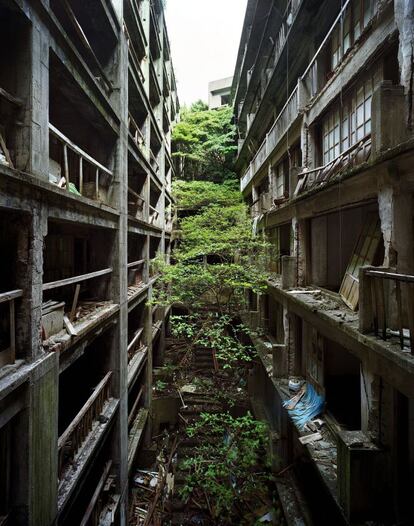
<point x="204" y="36"/>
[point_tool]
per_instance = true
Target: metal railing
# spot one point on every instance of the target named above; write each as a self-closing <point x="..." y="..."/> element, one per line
<point x="8" y="355"/>
<point x="387" y="305"/>
<point x="79" y="429"/>
<point x="92" y="189"/>
<point x="154" y="162"/>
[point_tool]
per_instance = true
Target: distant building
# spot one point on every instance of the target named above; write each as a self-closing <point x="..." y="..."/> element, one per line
<point x="219" y="92"/>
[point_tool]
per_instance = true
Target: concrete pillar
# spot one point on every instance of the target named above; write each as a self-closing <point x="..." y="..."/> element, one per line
<point x="395" y="211"/>
<point x="38" y="163"/>
<point x="387" y="107"/>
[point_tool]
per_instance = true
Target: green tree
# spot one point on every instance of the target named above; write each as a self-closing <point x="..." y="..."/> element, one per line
<point x="204" y="140"/>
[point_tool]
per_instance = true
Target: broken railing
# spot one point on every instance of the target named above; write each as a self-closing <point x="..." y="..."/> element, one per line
<point x="76" y="433"/>
<point x="154" y="162"/>
<point x="101" y="498"/>
<point x="387" y="304"/>
<point x="356" y="154"/>
<point x="8" y="355"/>
<point x="93" y="61"/>
<point x="97" y="187"/>
<point x="135" y="344"/>
<point x="134" y="410"/>
<point x="136" y="271"/>
<point x="154" y="218"/>
<point x="136" y="133"/>
<point x="135" y="204"/>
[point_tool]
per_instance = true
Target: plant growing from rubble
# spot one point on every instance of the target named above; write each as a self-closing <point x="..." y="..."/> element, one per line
<point x="227" y="467"/>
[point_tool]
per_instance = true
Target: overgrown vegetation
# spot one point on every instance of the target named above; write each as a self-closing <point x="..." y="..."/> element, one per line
<point x="217" y="261"/>
<point x="224" y="467"/>
<point x="204" y="140"/>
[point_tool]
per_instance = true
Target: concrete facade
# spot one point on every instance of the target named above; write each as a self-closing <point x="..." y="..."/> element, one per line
<point x="219" y="92"/>
<point x="87" y="100"/>
<point x="323" y="103"/>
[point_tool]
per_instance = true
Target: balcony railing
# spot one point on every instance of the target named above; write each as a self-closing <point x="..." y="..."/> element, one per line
<point x="8" y="355"/>
<point x="154" y="162"/>
<point x="356" y="154"/>
<point x="387" y="305"/>
<point x="284" y="120"/>
<point x="155" y="218"/>
<point x="316" y="75"/>
<point x="136" y="133"/>
<point x="97" y="188"/>
<point x="279" y="44"/>
<point x="72" y="439"/>
<point x="100" y="496"/>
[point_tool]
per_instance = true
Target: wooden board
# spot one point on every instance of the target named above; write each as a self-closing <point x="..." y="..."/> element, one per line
<point x="363" y="254"/>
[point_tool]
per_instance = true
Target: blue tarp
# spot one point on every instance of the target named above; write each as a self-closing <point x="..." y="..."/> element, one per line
<point x="309" y="406"/>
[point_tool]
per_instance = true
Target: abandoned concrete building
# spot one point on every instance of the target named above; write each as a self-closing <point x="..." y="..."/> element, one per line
<point x="87" y="100"/>
<point x="323" y="100"/>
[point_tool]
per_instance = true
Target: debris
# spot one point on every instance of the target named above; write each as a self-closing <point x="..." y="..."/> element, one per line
<point x="189" y="388"/>
<point x="308" y="439"/>
<point x="306" y="405"/>
<point x="267" y="518"/>
<point x="69" y="327"/>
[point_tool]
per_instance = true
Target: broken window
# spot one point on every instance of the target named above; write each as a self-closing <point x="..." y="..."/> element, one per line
<point x="332" y="243"/>
<point x="280" y="241"/>
<point x="345" y="126"/>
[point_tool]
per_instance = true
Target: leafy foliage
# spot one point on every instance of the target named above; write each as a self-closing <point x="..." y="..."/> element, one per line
<point x="196" y="195"/>
<point x="225" y="466"/>
<point x="215" y="331"/>
<point x="205" y="141"/>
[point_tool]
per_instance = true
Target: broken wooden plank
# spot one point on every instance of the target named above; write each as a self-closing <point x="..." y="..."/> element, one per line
<point x="6" y="151"/>
<point x="74" y="303"/>
<point x="69" y="327"/>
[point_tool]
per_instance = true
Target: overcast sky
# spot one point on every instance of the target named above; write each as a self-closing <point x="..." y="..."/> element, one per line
<point x="205" y="36"/>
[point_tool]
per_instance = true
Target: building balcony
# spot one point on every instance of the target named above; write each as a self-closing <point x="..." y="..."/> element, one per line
<point x="258" y="81"/>
<point x="8" y="318"/>
<point x="387" y="306"/>
<point x="76" y="171"/>
<point x="283" y="122"/>
<point x="343" y="35"/>
<point x="81" y="438"/>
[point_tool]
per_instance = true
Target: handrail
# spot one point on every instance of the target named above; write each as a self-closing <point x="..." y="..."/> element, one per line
<point x="80" y="427"/>
<point x="137" y="129"/>
<point x="11" y="295"/>
<point x="154" y="159"/>
<point x="78" y="150"/>
<point x="406" y="278"/>
<point x="96" y="494"/>
<point x="327" y="37"/>
<point x="75" y="279"/>
<point x="135" y="339"/>
<point x="136" y="263"/>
